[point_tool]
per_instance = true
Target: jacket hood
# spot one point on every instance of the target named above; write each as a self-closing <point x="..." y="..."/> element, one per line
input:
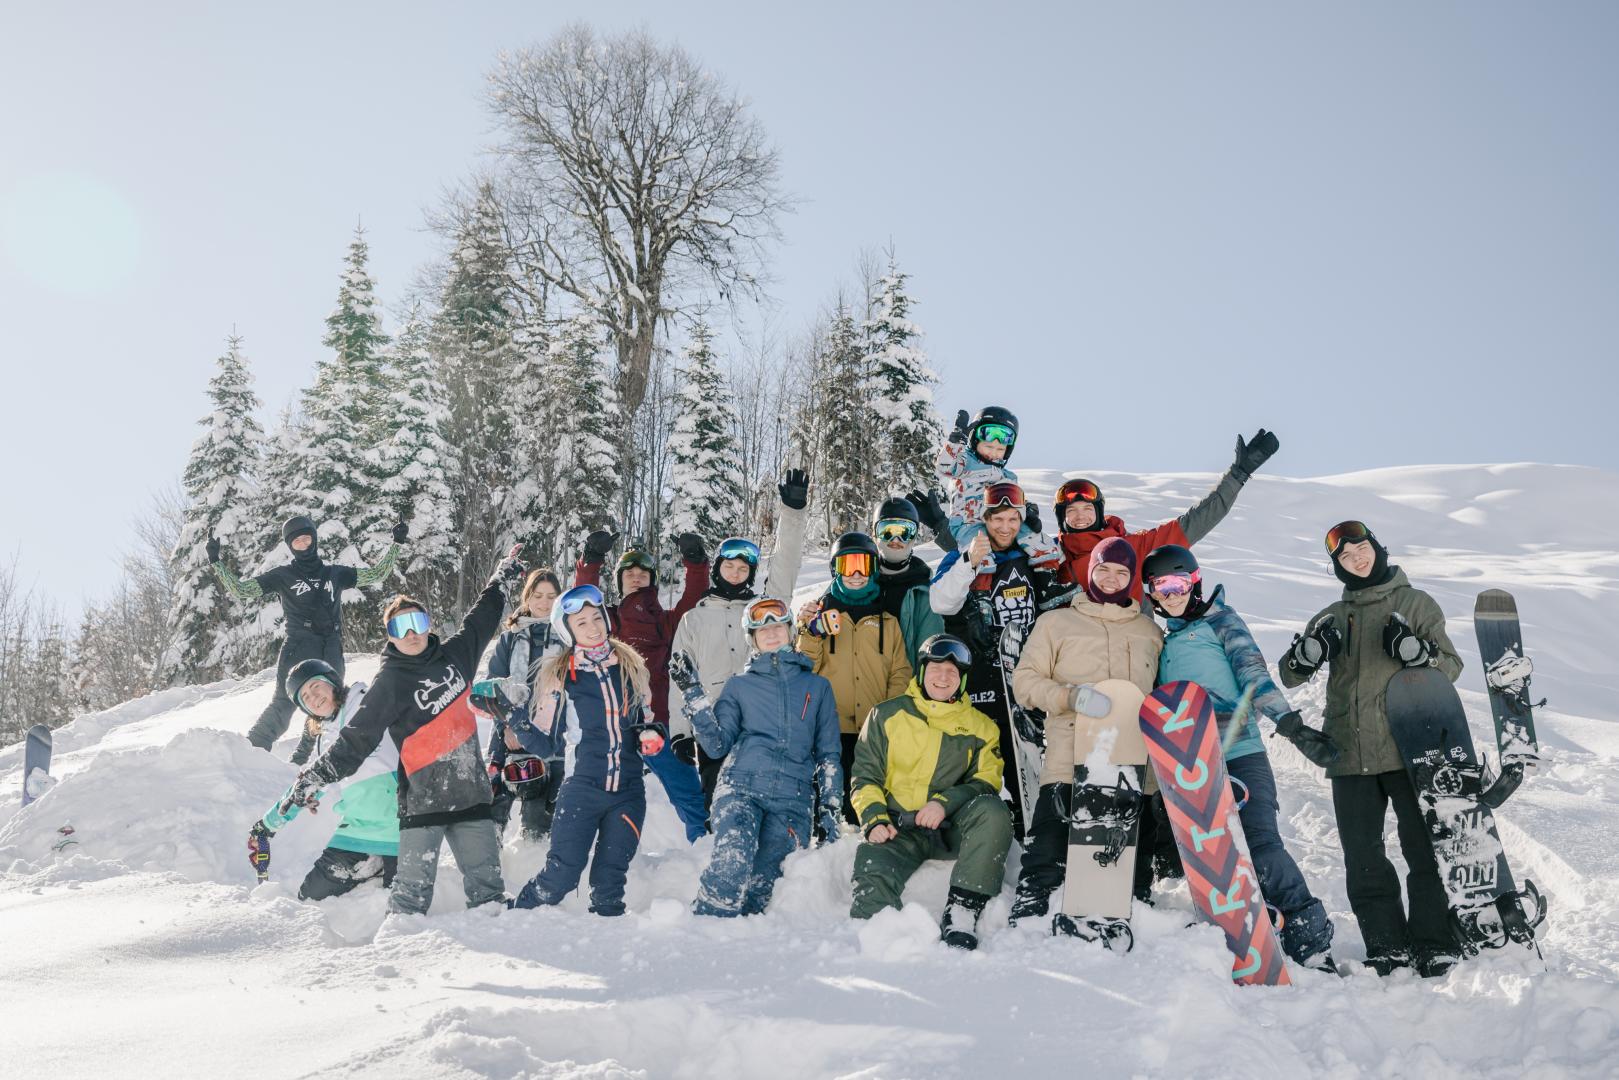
<point x="393" y="659"/>
<point x="1085" y="606"/>
<point x="766" y="663"/>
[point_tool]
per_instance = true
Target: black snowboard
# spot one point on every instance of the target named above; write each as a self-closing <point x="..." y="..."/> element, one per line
<point x="1430" y="728"/>
<point x="1506" y="674"/>
<point x="36" y="762"/>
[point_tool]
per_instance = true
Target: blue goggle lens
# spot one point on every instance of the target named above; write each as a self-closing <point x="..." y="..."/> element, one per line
<point x="738" y="548"/>
<point x="578" y="597"/>
<point x="409" y="622"/>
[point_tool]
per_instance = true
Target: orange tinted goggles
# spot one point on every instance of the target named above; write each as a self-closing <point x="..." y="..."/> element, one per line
<point x="1346" y="532"/>
<point x="853" y="562"/>
<point x="1078" y="491"/>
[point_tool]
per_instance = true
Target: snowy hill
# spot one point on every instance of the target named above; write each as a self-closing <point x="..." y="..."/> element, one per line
<point x="145" y="947"/>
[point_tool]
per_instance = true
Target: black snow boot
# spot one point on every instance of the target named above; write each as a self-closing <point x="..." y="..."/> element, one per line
<point x="959" y="926"/>
<point x="1385" y="964"/>
<point x="1433" y="965"/>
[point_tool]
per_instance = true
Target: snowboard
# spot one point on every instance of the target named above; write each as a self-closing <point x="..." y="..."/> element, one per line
<point x="1183" y="743"/>
<point x="1429" y="726"/>
<point x="1110" y="760"/>
<point x="36" y="758"/>
<point x="1026" y="769"/>
<point x="1506" y="673"/>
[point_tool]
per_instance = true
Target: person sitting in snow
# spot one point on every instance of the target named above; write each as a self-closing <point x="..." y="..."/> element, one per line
<point x="780" y="762"/>
<point x="365" y="844"/>
<point x="927" y="783"/>
<point x="1380" y="625"/>
<point x="1209" y="644"/>
<point x="971" y="462"/>
<point x="594" y="696"/>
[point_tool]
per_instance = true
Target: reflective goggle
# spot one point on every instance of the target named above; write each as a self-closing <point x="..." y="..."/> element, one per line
<point x="408" y="622"/>
<point x="766" y="611"/>
<point x="637" y="558"/>
<point x="520" y="770"/>
<point x="1346" y="532"/>
<point x="852" y="562"/>
<point x="997" y="496"/>
<point x="943" y="649"/>
<point x="1000" y="433"/>
<point x="1078" y="491"/>
<point x="738" y="548"/>
<point x="579" y="597"/>
<point x="901" y="530"/>
<point x="1175" y="584"/>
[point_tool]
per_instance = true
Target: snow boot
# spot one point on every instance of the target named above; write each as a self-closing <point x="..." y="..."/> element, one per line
<point x="959" y="926"/>
<point x="1434" y="965"/>
<point x="1028" y="905"/>
<point x="1385" y="964"/>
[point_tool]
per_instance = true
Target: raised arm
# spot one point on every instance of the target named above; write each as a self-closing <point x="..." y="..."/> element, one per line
<point x="1248" y="664"/>
<point x="367" y="576"/>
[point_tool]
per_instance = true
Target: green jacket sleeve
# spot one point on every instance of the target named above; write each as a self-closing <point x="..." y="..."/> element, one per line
<point x="242" y="590"/>
<point x="366" y="576"/>
<point x="1429" y="623"/>
<point x="1210" y="510"/>
<point x="866" y="778"/>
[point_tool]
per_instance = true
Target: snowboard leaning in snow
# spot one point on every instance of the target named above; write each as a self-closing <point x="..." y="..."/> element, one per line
<point x="1025" y="771"/>
<point x="1183" y="743"/>
<point x="36" y="767"/>
<point x="1430" y="728"/>
<point x="1506" y="673"/>
<point x="1104" y="820"/>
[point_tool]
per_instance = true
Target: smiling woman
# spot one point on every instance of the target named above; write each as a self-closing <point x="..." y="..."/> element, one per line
<point x="69" y="232"/>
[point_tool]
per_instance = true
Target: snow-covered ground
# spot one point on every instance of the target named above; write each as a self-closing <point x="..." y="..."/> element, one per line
<point x="145" y="948"/>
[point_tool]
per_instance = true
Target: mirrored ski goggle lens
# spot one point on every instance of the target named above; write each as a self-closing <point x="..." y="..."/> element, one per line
<point x="1346" y="532"/>
<point x="638" y="559"/>
<point x="854" y="562"/>
<point x="1175" y="584"/>
<point x="579" y="597"/>
<point x="522" y="770"/>
<point x="737" y="548"/>
<point x="409" y="622"/>
<point x="996" y="433"/>
<point x="948" y="651"/>
<point x="767" y="611"/>
<point x="890" y="530"/>
<point x="999" y="495"/>
<point x="1078" y="491"/>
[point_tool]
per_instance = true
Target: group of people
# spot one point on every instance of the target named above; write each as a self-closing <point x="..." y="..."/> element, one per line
<point x="932" y="708"/>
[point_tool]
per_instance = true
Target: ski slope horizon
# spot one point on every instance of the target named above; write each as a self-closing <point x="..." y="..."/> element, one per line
<point x="152" y="922"/>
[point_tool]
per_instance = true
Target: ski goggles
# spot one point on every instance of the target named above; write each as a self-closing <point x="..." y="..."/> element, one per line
<point x="1174" y="584"/>
<point x="1000" y="433"/>
<point x="766" y="611"/>
<point x="522" y="770"/>
<point x="1000" y="496"/>
<point x="942" y="648"/>
<point x="1346" y="532"/>
<point x="896" y="530"/>
<point x="580" y="597"/>
<point x="409" y="622"/>
<point x="638" y="559"/>
<point x="738" y="548"/>
<point x="1078" y="491"/>
<point x="852" y="562"/>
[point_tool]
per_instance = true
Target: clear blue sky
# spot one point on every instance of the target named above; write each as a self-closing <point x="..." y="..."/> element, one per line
<point x="1387" y="230"/>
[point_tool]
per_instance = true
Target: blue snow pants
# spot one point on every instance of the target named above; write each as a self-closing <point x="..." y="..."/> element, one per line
<point x="752" y="835"/>
<point x="1306" y="930"/>
<point x="588" y="815"/>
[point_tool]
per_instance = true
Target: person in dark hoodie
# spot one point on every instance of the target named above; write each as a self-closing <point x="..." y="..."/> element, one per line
<point x="311" y="595"/>
<point x="422" y="700"/>
<point x="902" y="577"/>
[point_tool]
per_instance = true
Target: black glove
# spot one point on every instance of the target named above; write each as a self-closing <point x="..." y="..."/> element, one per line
<point x="213" y="549"/>
<point x="1031" y="517"/>
<point x="1402" y="643"/>
<point x="691" y="548"/>
<point x="401" y="533"/>
<point x="959" y="434"/>
<point x="931" y="510"/>
<point x="1255" y="452"/>
<point x="598" y="544"/>
<point x="511" y="569"/>
<point x="685" y="748"/>
<point x="1318" y="645"/>
<point x="1315" y="745"/>
<point x="683" y="673"/>
<point x="794" y="489"/>
<point x="305" y="793"/>
<point x="489" y="698"/>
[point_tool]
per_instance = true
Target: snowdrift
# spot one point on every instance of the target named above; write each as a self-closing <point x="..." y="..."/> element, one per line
<point x="147" y="918"/>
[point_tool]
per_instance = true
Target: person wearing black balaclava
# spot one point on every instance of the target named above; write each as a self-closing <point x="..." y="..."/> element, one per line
<point x="311" y="593"/>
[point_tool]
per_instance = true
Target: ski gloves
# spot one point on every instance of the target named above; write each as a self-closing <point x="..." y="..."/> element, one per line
<point x="1317" y="645"/>
<point x="931" y="510"/>
<point x="959" y="433"/>
<point x="691" y="547"/>
<point x="305" y="792"/>
<point x="258" y="850"/>
<point x="489" y="699"/>
<point x="1402" y="643"/>
<point x="401" y="533"/>
<point x="1254" y="452"/>
<point x="794" y="489"/>
<point x="1089" y="701"/>
<point x="598" y="544"/>
<point x="683" y="673"/>
<point x="1031" y="517"/>
<point x="1315" y="745"/>
<point x="213" y="549"/>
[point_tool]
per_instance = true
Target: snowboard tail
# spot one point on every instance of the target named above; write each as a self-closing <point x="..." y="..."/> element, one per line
<point x="1506" y="676"/>
<point x="1104" y="819"/>
<point x="36" y="763"/>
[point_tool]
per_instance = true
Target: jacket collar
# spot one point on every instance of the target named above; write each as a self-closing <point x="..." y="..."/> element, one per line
<point x="1216" y="601"/>
<point x="766" y="663"/>
<point x="1375" y="593"/>
<point x="1084" y="605"/>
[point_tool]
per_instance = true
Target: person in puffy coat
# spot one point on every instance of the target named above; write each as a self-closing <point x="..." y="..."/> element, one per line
<point x="711" y="633"/>
<point x="1209" y="644"/>
<point x="927" y="782"/>
<point x="514" y="667"/>
<point x="775" y="726"/>
<point x="1101" y="635"/>
<point x="854" y="643"/>
<point x="1380" y="625"/>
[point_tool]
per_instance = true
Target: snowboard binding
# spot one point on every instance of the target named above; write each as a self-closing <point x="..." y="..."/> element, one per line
<point x="1112" y="811"/>
<point x="1509" y="919"/>
<point x="1114" y="934"/>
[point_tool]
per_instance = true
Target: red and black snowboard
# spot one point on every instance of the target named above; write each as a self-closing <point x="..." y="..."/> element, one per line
<point x="1430" y="728"/>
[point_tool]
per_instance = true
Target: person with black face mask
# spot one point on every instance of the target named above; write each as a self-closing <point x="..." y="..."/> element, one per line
<point x="903" y="579"/>
<point x="311" y="594"/>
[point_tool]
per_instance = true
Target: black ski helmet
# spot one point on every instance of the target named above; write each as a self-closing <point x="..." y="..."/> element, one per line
<point x="897" y="507"/>
<point x="1171" y="559"/>
<point x="1076" y="490"/>
<point x="306" y="670"/>
<point x="297" y="526"/>
<point x="993" y="414"/>
<point x="946" y="648"/>
<point x="854" y="543"/>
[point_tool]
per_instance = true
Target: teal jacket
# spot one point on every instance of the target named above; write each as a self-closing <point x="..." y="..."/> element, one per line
<point x="1218" y="652"/>
<point x="368" y="809"/>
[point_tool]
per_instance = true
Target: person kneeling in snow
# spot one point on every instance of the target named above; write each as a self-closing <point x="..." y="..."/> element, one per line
<point x="777" y="765"/>
<point x="366" y="842"/>
<point x="927" y="782"/>
<point x="422" y="699"/>
<point x="595" y="695"/>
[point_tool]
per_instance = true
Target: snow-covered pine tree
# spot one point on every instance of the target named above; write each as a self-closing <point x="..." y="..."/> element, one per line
<point x="578" y="419"/>
<point x="532" y="454"/>
<point x="848" y="451"/>
<point x="705" y="478"/>
<point x="414" y="464"/>
<point x="206" y="624"/>
<point x="907" y="429"/>
<point x="282" y="494"/>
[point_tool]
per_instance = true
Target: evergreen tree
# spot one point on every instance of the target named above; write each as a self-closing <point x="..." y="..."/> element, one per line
<point x="845" y="412"/>
<point x="206" y="624"/>
<point x="532" y="453"/>
<point x="578" y="419"/>
<point x="704" y="472"/>
<point x="908" y="431"/>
